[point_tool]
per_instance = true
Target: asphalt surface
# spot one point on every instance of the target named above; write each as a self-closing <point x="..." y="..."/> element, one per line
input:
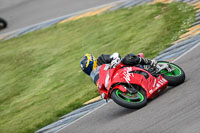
<point x="175" y="111"/>
<point x="23" y="13"/>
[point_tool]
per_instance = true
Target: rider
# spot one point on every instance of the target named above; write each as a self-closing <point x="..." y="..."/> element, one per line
<point x="91" y="66"/>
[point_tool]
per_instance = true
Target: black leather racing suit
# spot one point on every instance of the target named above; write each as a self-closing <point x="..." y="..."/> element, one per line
<point x="129" y="60"/>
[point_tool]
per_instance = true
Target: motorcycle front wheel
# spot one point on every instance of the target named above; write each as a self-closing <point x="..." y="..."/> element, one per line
<point x="127" y="100"/>
<point x="175" y="77"/>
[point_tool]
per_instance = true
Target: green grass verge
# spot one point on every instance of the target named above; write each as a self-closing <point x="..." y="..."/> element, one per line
<point x="41" y="79"/>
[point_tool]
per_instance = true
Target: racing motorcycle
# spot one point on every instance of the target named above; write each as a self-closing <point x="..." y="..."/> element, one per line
<point x="131" y="86"/>
<point x="3" y="23"/>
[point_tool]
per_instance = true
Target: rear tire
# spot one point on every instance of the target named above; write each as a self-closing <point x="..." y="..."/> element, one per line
<point x="3" y="23"/>
<point x="119" y="98"/>
<point x="175" y="77"/>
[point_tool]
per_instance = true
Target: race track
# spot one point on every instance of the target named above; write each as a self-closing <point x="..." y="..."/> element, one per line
<point x="175" y="111"/>
<point x="23" y="13"/>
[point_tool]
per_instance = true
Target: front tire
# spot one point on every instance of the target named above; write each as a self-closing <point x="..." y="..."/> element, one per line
<point x="126" y="99"/>
<point x="175" y="77"/>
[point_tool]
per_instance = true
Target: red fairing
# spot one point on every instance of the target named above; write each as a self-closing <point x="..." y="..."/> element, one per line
<point x="110" y="79"/>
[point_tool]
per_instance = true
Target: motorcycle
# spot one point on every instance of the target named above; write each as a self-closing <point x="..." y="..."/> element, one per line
<point x="3" y="23"/>
<point x="132" y="86"/>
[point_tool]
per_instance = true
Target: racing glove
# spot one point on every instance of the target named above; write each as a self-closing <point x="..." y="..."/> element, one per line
<point x="116" y="59"/>
<point x="107" y="59"/>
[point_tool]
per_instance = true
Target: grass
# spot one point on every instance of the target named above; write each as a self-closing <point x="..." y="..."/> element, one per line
<point x="41" y="79"/>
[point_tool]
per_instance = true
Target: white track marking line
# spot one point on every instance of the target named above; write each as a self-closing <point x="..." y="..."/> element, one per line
<point x="81" y="117"/>
<point x="186" y="52"/>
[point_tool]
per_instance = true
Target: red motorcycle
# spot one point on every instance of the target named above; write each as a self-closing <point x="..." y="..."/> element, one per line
<point x="131" y="86"/>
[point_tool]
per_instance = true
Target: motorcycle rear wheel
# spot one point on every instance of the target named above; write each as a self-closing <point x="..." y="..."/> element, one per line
<point x="127" y="100"/>
<point x="3" y="24"/>
<point x="175" y="77"/>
